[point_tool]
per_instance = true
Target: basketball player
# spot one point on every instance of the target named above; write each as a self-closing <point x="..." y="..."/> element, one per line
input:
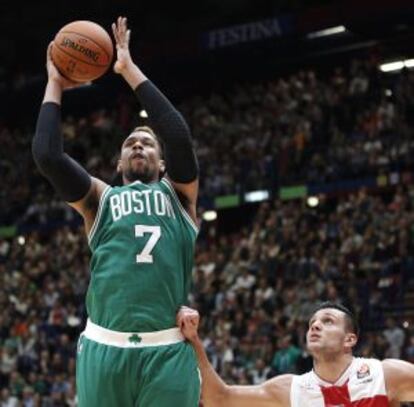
<point x="338" y="379"/>
<point x="142" y="237"/>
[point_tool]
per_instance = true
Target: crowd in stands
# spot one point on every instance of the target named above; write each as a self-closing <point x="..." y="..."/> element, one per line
<point x="255" y="288"/>
<point x="353" y="122"/>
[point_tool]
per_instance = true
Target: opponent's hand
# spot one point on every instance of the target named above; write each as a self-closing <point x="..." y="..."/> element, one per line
<point x="188" y="320"/>
<point x="53" y="73"/>
<point x="122" y="35"/>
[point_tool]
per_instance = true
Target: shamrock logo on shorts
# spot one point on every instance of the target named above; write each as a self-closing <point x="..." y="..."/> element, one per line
<point x="135" y="339"/>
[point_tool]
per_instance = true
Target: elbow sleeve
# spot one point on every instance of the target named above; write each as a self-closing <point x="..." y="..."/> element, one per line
<point x="173" y="131"/>
<point x="70" y="180"/>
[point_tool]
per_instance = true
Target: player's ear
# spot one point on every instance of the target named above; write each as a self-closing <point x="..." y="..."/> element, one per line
<point x="162" y="166"/>
<point x="119" y="166"/>
<point x="350" y="340"/>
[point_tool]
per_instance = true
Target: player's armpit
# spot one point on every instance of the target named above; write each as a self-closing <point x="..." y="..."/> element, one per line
<point x="187" y="194"/>
<point x="399" y="380"/>
<point x="273" y="393"/>
<point x="189" y="191"/>
<point x="87" y="207"/>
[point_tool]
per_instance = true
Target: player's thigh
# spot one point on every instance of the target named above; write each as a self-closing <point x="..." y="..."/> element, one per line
<point x="102" y="377"/>
<point x="172" y="380"/>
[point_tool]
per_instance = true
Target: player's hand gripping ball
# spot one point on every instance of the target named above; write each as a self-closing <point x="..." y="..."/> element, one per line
<point x="82" y="51"/>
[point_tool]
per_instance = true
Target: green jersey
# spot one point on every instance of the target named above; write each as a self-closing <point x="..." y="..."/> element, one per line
<point x="142" y="244"/>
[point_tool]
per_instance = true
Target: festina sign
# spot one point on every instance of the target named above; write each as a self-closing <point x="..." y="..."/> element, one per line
<point x="237" y="34"/>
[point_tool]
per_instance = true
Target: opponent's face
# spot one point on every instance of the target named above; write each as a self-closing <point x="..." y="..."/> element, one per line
<point x="328" y="333"/>
<point x="140" y="158"/>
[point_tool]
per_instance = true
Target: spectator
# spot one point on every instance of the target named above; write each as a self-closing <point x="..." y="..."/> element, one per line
<point x="256" y="285"/>
<point x="285" y="359"/>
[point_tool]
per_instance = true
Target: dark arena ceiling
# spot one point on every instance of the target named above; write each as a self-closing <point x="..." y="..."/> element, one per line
<point x="181" y="42"/>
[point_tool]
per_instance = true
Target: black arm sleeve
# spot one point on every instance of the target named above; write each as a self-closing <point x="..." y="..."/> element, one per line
<point x="70" y="180"/>
<point x="172" y="129"/>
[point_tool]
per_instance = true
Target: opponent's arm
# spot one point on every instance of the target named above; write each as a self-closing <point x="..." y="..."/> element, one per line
<point x="70" y="180"/>
<point x="272" y="393"/>
<point x="168" y="123"/>
<point x="399" y="380"/>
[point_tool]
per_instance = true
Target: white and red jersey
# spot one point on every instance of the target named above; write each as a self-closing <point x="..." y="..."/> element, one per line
<point x="361" y="385"/>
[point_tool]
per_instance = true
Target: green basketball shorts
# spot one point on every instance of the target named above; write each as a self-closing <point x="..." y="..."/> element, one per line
<point x="153" y="369"/>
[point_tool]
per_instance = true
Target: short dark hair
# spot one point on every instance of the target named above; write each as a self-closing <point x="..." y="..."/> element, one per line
<point x="351" y="319"/>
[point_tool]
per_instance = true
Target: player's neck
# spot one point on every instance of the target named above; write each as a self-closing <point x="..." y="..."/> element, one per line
<point x="126" y="181"/>
<point x="331" y="368"/>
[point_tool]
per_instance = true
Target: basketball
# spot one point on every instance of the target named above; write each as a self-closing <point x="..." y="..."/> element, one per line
<point x="82" y="51"/>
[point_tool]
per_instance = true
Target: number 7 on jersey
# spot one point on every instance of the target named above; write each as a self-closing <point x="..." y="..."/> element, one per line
<point x="145" y="256"/>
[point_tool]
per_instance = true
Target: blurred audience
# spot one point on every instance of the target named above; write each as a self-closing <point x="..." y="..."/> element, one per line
<point x="255" y="288"/>
<point x="304" y="128"/>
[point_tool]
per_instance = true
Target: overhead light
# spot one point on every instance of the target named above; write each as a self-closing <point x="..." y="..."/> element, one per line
<point x="397" y="65"/>
<point x="143" y="114"/>
<point x="256" y="196"/>
<point x="392" y="66"/>
<point x="409" y="63"/>
<point x="21" y="240"/>
<point x="209" y="216"/>
<point x="388" y="92"/>
<point x="327" y="31"/>
<point x="313" y="201"/>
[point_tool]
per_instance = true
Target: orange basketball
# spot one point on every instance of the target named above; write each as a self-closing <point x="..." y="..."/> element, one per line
<point x="82" y="51"/>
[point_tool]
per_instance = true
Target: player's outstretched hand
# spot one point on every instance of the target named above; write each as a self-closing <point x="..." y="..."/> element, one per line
<point x="122" y="35"/>
<point x="53" y="73"/>
<point x="188" y="320"/>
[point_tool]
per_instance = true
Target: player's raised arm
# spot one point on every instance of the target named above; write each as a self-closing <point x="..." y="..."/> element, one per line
<point x="168" y="123"/>
<point x="70" y="180"/>
<point x="399" y="379"/>
<point x="273" y="393"/>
